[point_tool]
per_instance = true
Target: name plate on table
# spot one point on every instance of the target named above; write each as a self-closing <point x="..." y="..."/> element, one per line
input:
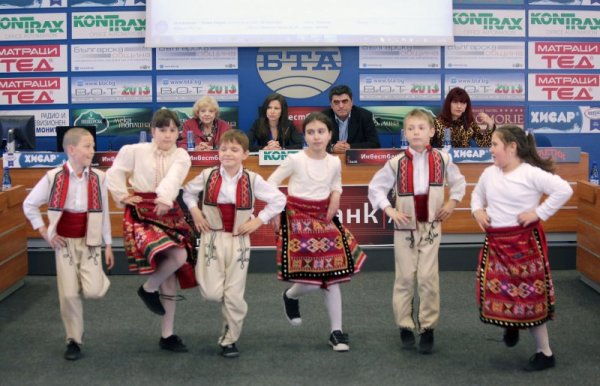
<point x="273" y="157"/>
<point x="204" y="158"/>
<point x="370" y="156"/>
<point x="33" y="159"/>
<point x="104" y="158"/>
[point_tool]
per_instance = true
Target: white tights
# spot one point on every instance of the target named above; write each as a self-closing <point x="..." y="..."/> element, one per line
<point x="333" y="300"/>
<point x="540" y="335"/>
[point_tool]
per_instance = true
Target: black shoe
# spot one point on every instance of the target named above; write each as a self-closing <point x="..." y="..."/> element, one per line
<point x="73" y="351"/>
<point x="407" y="337"/>
<point x="292" y="310"/>
<point x="339" y="341"/>
<point x="151" y="300"/>
<point x="230" y="351"/>
<point x="426" y="341"/>
<point x="539" y="361"/>
<point x="172" y="343"/>
<point x="511" y="336"/>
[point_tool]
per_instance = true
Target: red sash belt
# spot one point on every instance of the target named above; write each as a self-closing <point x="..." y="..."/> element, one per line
<point x="421" y="207"/>
<point x="72" y="224"/>
<point x="227" y="216"/>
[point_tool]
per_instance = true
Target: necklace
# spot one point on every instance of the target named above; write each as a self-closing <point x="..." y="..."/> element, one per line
<point x="322" y="174"/>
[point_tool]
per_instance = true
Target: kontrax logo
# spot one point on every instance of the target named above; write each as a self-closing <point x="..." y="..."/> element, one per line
<point x="299" y="72"/>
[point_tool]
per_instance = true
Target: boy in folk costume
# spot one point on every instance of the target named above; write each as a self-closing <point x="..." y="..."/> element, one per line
<point x="78" y="221"/>
<point x="226" y="221"/>
<point x="156" y="237"/>
<point x="417" y="178"/>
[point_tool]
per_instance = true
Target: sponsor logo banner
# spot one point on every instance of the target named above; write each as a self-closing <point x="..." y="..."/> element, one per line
<point x="489" y="87"/>
<point x="110" y="57"/>
<point x="33" y="91"/>
<point x="400" y="87"/>
<point x="45" y="120"/>
<point x="564" y="55"/>
<point x="489" y="22"/>
<point x="299" y="72"/>
<point x="35" y="26"/>
<point x="34" y="159"/>
<point x="273" y="157"/>
<point x="502" y="115"/>
<point x="563" y="23"/>
<point x="390" y="119"/>
<point x="486" y="55"/>
<point x="106" y="3"/>
<point x="33" y="58"/>
<point x="104" y="158"/>
<point x="189" y="88"/>
<point x="8" y="4"/>
<point x="564" y="87"/>
<point x="104" y="25"/>
<point x="490" y="2"/>
<point x="114" y="121"/>
<point x="204" y="158"/>
<point x="557" y="3"/>
<point x="201" y="58"/>
<point x="226" y="113"/>
<point x="399" y="57"/>
<point x="564" y="119"/>
<point x="297" y="114"/>
<point x="370" y="156"/>
<point x="111" y="89"/>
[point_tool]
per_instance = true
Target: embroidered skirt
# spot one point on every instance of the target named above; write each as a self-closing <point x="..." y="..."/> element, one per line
<point x="145" y="235"/>
<point x="313" y="251"/>
<point x="513" y="278"/>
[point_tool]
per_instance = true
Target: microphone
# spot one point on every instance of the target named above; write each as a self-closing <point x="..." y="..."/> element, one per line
<point x="381" y="123"/>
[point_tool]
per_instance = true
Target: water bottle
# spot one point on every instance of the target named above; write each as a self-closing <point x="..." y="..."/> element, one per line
<point x="191" y="145"/>
<point x="143" y="136"/>
<point x="447" y="139"/>
<point x="403" y="141"/>
<point x="594" y="174"/>
<point x="6" y="182"/>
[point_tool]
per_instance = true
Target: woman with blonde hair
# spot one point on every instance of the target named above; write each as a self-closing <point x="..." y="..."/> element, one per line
<point x="205" y="125"/>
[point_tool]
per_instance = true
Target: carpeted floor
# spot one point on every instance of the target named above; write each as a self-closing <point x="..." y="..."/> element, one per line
<point x="121" y="342"/>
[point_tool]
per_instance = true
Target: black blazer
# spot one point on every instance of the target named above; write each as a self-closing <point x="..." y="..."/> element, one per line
<point x="362" y="133"/>
<point x="257" y="142"/>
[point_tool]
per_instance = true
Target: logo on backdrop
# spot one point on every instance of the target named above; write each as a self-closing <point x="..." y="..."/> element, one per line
<point x="564" y="120"/>
<point x="38" y="26"/>
<point x="564" y="55"/>
<point x="33" y="91"/>
<point x="299" y="72"/>
<point x="564" y="87"/>
<point x="33" y="58"/>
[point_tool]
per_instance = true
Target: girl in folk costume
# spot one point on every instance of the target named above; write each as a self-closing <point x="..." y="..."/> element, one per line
<point x="515" y="289"/>
<point x="315" y="251"/>
<point x="78" y="217"/>
<point x="157" y="238"/>
<point x="225" y="220"/>
<point x="417" y="178"/>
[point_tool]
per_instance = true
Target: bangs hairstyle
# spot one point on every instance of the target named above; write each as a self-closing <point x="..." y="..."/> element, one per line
<point x="236" y="136"/>
<point x="320" y="117"/>
<point x="419" y="113"/>
<point x="457" y="94"/>
<point x="526" y="149"/>
<point x="205" y="101"/>
<point x="163" y="118"/>
<point x="73" y="136"/>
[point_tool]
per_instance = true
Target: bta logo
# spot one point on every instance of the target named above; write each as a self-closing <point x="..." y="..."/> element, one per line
<point x="28" y="97"/>
<point x="299" y="72"/>
<point x="25" y="65"/>
<point x="568" y="61"/>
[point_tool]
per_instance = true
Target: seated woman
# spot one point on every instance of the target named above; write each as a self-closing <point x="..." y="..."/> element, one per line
<point x="457" y="115"/>
<point x="205" y="124"/>
<point x="273" y="130"/>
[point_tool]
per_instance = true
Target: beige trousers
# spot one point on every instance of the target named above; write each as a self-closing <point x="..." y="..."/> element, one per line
<point x="221" y="273"/>
<point x="417" y="266"/>
<point x="78" y="269"/>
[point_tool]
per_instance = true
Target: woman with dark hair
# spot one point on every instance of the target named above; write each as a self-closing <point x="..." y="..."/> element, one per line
<point x="273" y="130"/>
<point x="457" y="115"/>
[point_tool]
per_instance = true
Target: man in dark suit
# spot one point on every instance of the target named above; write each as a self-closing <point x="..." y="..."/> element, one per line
<point x="353" y="126"/>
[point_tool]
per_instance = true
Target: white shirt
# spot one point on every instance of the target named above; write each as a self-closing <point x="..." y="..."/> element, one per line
<point x="263" y="191"/>
<point x="76" y="201"/>
<point x="310" y="179"/>
<point x="505" y="196"/>
<point x="148" y="169"/>
<point x="383" y="181"/>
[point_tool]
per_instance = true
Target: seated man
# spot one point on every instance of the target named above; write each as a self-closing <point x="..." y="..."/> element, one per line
<point x="353" y="126"/>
